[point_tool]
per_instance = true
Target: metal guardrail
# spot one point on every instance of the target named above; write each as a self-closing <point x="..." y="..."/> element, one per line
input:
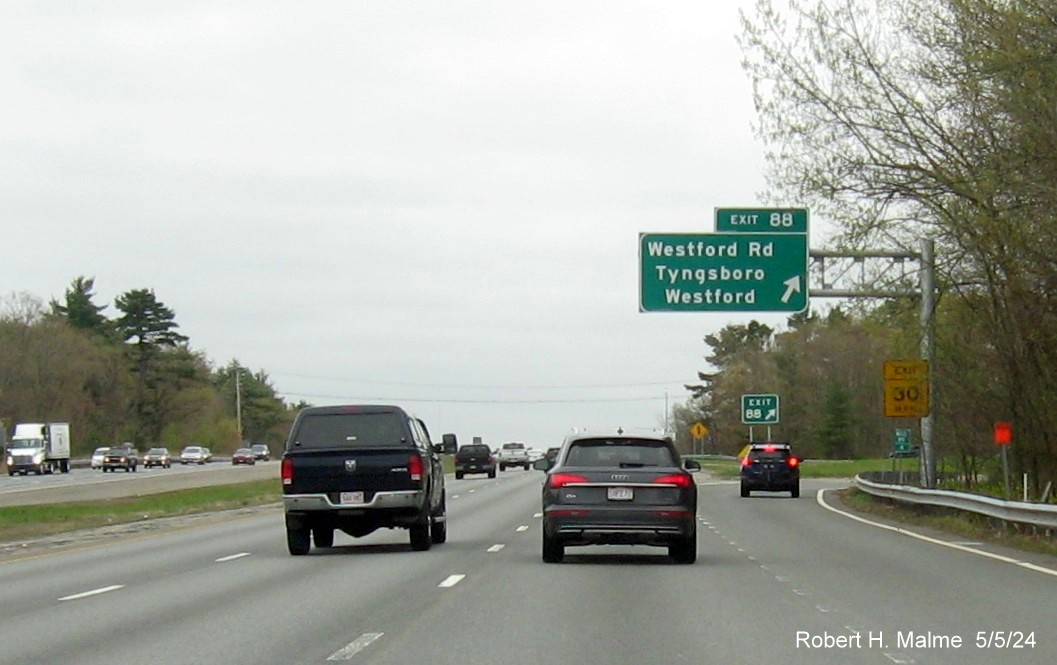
<point x="1037" y="514"/>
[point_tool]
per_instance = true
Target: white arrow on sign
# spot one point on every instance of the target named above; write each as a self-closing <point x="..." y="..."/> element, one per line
<point x="792" y="285"/>
<point x="771" y="415"/>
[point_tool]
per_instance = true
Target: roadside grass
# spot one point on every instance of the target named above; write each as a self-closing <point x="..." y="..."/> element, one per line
<point x="968" y="525"/>
<point x="21" y="522"/>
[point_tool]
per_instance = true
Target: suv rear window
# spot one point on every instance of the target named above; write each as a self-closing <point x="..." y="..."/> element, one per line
<point x="626" y="453"/>
<point x="764" y="455"/>
<point x="513" y="446"/>
<point x="342" y="430"/>
<point x="476" y="450"/>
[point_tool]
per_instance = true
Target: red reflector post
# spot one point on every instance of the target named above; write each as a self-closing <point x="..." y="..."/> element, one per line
<point x="1003" y="433"/>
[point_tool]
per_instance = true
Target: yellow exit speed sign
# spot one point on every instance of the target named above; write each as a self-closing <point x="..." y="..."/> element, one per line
<point x="906" y="388"/>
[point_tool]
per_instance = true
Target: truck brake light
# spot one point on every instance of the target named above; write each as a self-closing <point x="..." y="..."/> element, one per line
<point x="287" y="471"/>
<point x="415" y="467"/>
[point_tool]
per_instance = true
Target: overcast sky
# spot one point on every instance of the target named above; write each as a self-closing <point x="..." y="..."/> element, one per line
<point x="435" y="204"/>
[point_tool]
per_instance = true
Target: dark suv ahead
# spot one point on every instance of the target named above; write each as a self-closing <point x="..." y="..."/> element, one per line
<point x="619" y="489"/>
<point x="474" y="458"/>
<point x="770" y="467"/>
<point x="361" y="468"/>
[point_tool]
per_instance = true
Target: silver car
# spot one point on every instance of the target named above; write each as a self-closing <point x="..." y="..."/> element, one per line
<point x="97" y="457"/>
<point x="193" y="455"/>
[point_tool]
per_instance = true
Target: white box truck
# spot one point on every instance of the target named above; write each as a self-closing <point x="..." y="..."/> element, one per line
<point x="40" y="448"/>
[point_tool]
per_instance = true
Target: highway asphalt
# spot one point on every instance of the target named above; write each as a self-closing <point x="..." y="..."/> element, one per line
<point x="777" y="580"/>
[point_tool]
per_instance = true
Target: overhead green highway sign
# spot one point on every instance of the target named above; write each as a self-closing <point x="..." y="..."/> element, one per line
<point x="722" y="272"/>
<point x="761" y="220"/>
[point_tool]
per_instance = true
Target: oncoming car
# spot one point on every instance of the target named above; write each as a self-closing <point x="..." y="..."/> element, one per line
<point x="243" y="456"/>
<point x="157" y="457"/>
<point x="97" y="457"/>
<point x="193" y="455"/>
<point x="619" y="490"/>
<point x="770" y="467"/>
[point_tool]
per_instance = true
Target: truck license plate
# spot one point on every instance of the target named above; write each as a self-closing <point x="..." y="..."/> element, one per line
<point x="620" y="494"/>
<point x="351" y="498"/>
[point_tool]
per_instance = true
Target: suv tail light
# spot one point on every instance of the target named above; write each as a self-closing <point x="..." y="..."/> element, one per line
<point x="415" y="467"/>
<point x="287" y="471"/>
<point x="793" y="461"/>
<point x="680" y="480"/>
<point x="556" y="480"/>
<point x="746" y="461"/>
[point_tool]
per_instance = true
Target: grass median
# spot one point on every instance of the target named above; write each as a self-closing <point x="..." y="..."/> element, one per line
<point x="23" y="522"/>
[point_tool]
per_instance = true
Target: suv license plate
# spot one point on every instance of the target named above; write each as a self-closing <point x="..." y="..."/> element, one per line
<point x="620" y="494"/>
<point x="351" y="498"/>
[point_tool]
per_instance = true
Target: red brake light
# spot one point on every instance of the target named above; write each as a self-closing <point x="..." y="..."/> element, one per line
<point x="415" y="467"/>
<point x="556" y="480"/>
<point x="793" y="461"/>
<point x="769" y="449"/>
<point x="287" y="471"/>
<point x="745" y="461"/>
<point x="680" y="480"/>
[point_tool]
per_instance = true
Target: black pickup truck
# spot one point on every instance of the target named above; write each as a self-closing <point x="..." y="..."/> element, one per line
<point x="359" y="468"/>
<point x="474" y="458"/>
<point x="123" y="456"/>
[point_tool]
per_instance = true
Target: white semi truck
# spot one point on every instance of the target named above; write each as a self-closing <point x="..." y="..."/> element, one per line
<point x="40" y="448"/>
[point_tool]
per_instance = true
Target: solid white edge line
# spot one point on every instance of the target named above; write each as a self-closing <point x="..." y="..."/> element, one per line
<point x="450" y="581"/>
<point x="354" y="647"/>
<point x="93" y="592"/>
<point x="934" y="541"/>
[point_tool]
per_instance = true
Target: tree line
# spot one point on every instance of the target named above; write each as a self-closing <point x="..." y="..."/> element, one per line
<point x="903" y="120"/>
<point x="133" y="377"/>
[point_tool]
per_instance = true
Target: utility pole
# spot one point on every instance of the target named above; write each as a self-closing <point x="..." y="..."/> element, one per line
<point x="238" y="403"/>
<point x="928" y="353"/>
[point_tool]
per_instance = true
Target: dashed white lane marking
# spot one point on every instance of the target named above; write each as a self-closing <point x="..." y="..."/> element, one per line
<point x="232" y="557"/>
<point x="934" y="541"/>
<point x="495" y="548"/>
<point x="900" y="658"/>
<point x="354" y="647"/>
<point x="537" y="515"/>
<point x="523" y="527"/>
<point x="93" y="592"/>
<point x="451" y="581"/>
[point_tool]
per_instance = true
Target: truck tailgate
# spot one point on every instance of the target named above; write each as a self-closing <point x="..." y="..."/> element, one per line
<point x="363" y="469"/>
